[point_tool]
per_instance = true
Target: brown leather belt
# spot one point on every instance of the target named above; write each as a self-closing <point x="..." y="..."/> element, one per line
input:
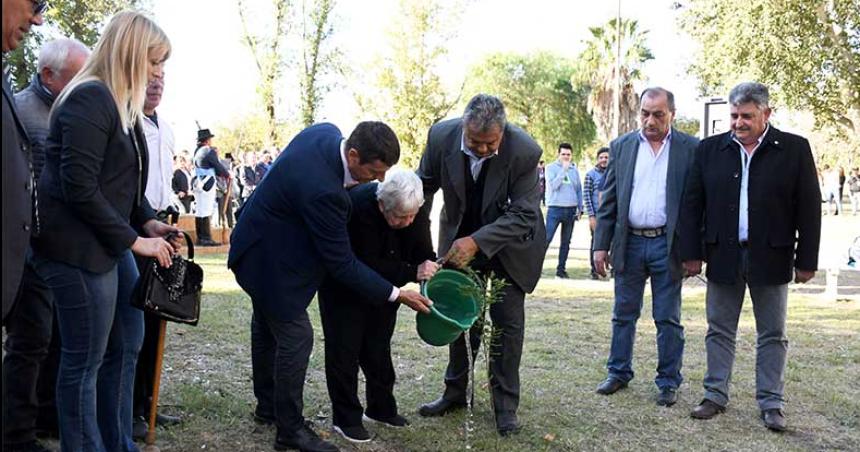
<point x="649" y="232"/>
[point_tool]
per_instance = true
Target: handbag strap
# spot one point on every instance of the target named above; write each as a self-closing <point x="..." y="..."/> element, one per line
<point x="190" y="245"/>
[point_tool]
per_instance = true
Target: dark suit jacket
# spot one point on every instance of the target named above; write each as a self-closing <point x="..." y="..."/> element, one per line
<point x="612" y="215"/>
<point x="394" y="253"/>
<point x="180" y="182"/>
<point x="17" y="198"/>
<point x="513" y="228"/>
<point x="292" y="231"/>
<point x="784" y="209"/>
<point x="91" y="193"/>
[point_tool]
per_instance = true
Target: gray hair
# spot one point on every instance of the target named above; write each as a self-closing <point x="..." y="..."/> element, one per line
<point x="483" y="112"/>
<point x="54" y="54"/>
<point x="655" y="91"/>
<point x="401" y="192"/>
<point x="747" y="92"/>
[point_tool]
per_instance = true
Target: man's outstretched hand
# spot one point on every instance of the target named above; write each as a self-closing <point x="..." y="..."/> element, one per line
<point x="415" y="300"/>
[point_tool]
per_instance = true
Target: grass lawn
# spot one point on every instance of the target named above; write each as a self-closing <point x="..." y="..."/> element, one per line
<point x="207" y="379"/>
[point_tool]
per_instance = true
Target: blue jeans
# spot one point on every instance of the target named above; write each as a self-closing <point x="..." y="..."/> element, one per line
<point x="647" y="257"/>
<point x="101" y="335"/>
<point x="565" y="216"/>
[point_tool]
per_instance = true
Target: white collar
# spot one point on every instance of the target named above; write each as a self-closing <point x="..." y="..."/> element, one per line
<point x="348" y="181"/>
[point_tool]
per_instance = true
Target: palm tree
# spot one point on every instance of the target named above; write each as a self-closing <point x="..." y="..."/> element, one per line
<point x="597" y="69"/>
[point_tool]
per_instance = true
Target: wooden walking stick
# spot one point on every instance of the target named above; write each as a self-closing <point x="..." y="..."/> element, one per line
<point x="156" y="385"/>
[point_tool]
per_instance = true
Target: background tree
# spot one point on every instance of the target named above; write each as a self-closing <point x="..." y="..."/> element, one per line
<point x="317" y="59"/>
<point x="690" y="126"/>
<point x="68" y="18"/>
<point x="265" y="41"/>
<point x="808" y="52"/>
<point x="409" y="94"/>
<point x="539" y="96"/>
<point x="597" y="69"/>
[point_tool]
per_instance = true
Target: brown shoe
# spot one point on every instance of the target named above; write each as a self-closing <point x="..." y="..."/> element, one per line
<point x="706" y="410"/>
<point x="774" y="419"/>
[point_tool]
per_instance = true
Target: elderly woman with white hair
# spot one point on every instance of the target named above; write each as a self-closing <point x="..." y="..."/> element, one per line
<point x="385" y="235"/>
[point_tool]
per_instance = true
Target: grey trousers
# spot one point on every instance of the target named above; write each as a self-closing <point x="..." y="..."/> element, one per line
<point x="724" y="302"/>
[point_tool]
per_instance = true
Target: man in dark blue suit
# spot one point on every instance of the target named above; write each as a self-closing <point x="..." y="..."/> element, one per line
<point x="291" y="234"/>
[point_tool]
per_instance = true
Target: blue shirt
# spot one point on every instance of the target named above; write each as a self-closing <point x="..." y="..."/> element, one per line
<point x="563" y="188"/>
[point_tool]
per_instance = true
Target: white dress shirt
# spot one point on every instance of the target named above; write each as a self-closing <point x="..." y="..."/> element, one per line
<point x="475" y="162"/>
<point x="348" y="181"/>
<point x="648" y="200"/>
<point x="160" y="144"/>
<point x="744" y="203"/>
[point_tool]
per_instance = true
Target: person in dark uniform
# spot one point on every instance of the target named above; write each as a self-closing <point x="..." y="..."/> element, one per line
<point x="383" y="235"/>
<point x="207" y="168"/>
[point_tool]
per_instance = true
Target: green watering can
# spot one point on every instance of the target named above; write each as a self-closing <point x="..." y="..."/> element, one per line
<point x="455" y="307"/>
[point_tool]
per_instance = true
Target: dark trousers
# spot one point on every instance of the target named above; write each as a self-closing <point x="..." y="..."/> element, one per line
<point x="144" y="377"/>
<point x="505" y="353"/>
<point x="29" y="326"/>
<point x="358" y="335"/>
<point x="591" y="254"/>
<point x="280" y="350"/>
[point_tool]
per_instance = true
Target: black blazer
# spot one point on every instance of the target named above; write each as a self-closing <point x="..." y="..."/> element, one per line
<point x="91" y="190"/>
<point x="784" y="209"/>
<point x="17" y="198"/>
<point x="292" y="232"/>
<point x="180" y="182"/>
<point x="393" y="253"/>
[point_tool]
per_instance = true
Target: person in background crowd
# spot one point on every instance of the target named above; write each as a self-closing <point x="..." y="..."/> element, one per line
<point x="32" y="347"/>
<point x="248" y="175"/>
<point x="181" y="182"/>
<point x="263" y="165"/>
<point x="542" y="182"/>
<point x="753" y="200"/>
<point x="159" y="192"/>
<point x="830" y="183"/>
<point x="842" y="180"/>
<point x="303" y="206"/>
<point x="92" y="205"/>
<point x="564" y="203"/>
<point x="207" y="168"/>
<point x="592" y="187"/>
<point x="854" y="191"/>
<point x="638" y="219"/>
<point x="358" y="331"/>
<point x="492" y="222"/>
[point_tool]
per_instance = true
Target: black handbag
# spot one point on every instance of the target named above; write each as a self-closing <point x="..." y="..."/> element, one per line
<point x="171" y="293"/>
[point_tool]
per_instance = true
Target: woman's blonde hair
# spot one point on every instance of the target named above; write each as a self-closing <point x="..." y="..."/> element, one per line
<point x="120" y="60"/>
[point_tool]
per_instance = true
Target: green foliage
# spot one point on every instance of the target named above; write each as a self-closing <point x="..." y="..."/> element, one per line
<point x="409" y="94"/>
<point x="690" y="126"/>
<point x="68" y="18"/>
<point x="539" y="96"/>
<point x="250" y="133"/>
<point x="808" y="52"/>
<point x="597" y="69"/>
<point x="265" y="40"/>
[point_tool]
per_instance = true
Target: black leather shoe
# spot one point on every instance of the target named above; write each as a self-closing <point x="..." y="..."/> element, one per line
<point x="611" y="386"/>
<point x="439" y="407"/>
<point x="774" y="419"/>
<point x="305" y="440"/>
<point x="707" y="410"/>
<point x="355" y="434"/>
<point x="561" y="274"/>
<point x="506" y="423"/>
<point x="394" y="421"/>
<point x="139" y="427"/>
<point x="166" y="420"/>
<point x="667" y="397"/>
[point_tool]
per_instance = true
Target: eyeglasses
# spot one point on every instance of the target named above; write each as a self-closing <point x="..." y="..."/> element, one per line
<point x="39" y="6"/>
